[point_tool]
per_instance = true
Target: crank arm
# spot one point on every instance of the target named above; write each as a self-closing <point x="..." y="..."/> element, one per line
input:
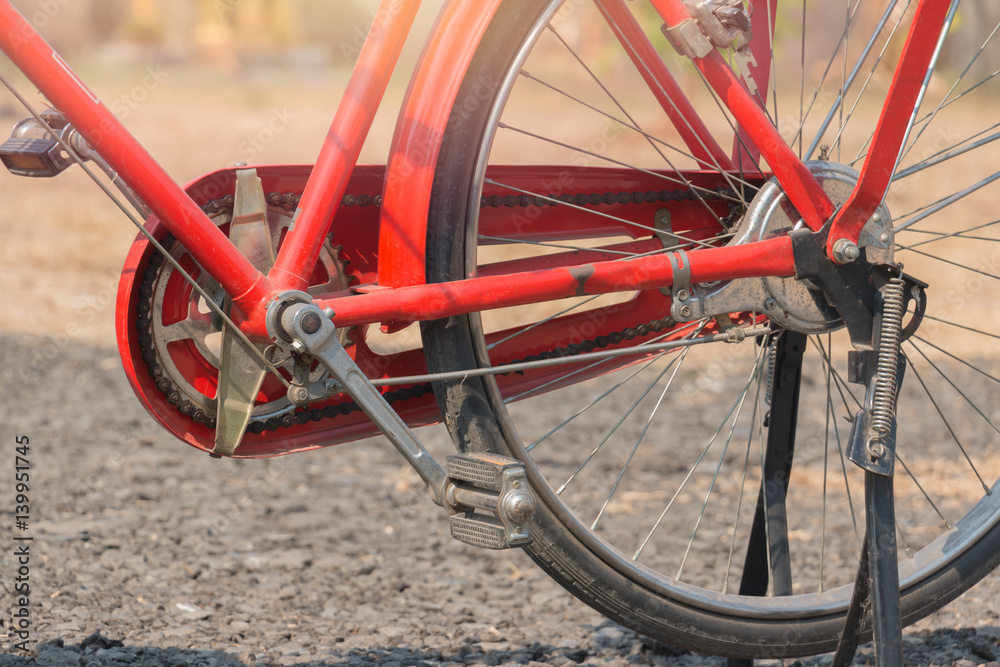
<point x="486" y="495"/>
<point x="305" y="329"/>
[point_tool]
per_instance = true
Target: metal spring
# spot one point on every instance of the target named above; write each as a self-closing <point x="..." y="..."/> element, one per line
<point x="884" y="401"/>
<point x="772" y="355"/>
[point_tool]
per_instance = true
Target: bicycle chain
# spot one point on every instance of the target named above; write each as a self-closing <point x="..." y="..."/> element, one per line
<point x="289" y="202"/>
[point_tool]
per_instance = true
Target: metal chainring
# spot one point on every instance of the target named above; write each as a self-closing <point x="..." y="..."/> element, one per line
<point x="179" y="333"/>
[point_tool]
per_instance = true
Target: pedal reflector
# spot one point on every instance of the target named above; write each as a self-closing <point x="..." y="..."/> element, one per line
<point x="37" y="158"/>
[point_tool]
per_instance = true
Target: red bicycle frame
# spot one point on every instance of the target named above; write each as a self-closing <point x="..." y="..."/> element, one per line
<point x="414" y="155"/>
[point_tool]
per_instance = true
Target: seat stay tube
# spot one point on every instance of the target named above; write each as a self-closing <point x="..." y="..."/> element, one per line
<point x="340" y="151"/>
<point x="802" y="188"/>
<point x="165" y="198"/>
<point x="689" y="125"/>
<point x="890" y="133"/>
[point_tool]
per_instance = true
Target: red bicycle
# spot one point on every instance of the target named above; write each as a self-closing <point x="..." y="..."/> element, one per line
<point x="610" y="219"/>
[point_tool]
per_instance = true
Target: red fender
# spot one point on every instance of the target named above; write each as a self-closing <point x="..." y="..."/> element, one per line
<point x="417" y="141"/>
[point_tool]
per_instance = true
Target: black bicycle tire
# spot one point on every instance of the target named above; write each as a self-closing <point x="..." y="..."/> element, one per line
<point x="469" y="406"/>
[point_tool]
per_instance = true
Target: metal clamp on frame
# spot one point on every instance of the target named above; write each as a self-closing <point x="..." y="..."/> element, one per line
<point x="680" y="291"/>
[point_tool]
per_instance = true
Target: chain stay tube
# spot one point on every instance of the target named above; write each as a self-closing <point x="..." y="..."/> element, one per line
<point x="772" y="257"/>
<point x="342" y="147"/>
<point x="802" y="188"/>
<point x="63" y="88"/>
<point x="887" y="142"/>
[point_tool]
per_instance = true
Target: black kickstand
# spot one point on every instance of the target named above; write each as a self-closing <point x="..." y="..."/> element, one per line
<point x="767" y="563"/>
<point x="877" y="587"/>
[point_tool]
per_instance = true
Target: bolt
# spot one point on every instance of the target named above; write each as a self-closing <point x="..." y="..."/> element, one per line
<point x="331" y="386"/>
<point x="885" y="237"/>
<point x="769" y="303"/>
<point x="845" y="251"/>
<point x="876" y="449"/>
<point x="328" y="311"/>
<point x="297" y="346"/>
<point x="735" y="335"/>
<point x="298" y="395"/>
<point x="311" y="322"/>
<point x="685" y="311"/>
<point x="683" y="295"/>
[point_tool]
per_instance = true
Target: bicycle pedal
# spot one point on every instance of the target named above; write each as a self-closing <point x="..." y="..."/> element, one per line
<point x="485" y="471"/>
<point x="492" y="492"/>
<point x="484" y="532"/>
<point x="36" y="158"/>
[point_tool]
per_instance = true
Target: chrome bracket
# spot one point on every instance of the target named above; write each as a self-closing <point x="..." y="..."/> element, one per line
<point x="688" y="40"/>
<point x="713" y="23"/>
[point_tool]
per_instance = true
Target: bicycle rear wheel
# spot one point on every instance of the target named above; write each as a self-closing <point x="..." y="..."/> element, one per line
<point x="649" y="471"/>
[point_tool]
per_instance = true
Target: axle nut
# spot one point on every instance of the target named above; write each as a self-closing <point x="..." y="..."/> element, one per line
<point x="845" y="251"/>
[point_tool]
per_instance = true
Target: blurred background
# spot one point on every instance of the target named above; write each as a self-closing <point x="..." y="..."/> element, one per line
<point x="208" y="83"/>
<point x="234" y="34"/>
<point x="227" y="34"/>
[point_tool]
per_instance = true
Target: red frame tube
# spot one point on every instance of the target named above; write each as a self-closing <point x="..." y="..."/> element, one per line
<point x="664" y="87"/>
<point x="887" y="142"/>
<point x="772" y="257"/>
<point x="802" y="188"/>
<point x="342" y="147"/>
<point x="744" y="149"/>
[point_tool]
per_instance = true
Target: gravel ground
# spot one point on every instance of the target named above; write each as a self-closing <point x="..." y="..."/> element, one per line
<point x="146" y="552"/>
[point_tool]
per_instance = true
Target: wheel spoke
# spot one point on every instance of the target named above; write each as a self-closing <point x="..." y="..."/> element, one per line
<point x="945" y="420"/>
<point x="929" y="119"/>
<point x="941" y="157"/>
<point x="638" y="441"/>
<point x="653" y="141"/>
<point x="755" y="379"/>
<point x="691" y="470"/>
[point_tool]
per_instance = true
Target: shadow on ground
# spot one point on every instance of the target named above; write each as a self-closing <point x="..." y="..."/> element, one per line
<point x="964" y="646"/>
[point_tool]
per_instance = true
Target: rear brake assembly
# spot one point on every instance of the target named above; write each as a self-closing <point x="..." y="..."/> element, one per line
<point x="716" y="23"/>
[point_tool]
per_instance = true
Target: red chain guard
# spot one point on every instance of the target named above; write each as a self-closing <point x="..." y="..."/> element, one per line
<point x="356" y="229"/>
